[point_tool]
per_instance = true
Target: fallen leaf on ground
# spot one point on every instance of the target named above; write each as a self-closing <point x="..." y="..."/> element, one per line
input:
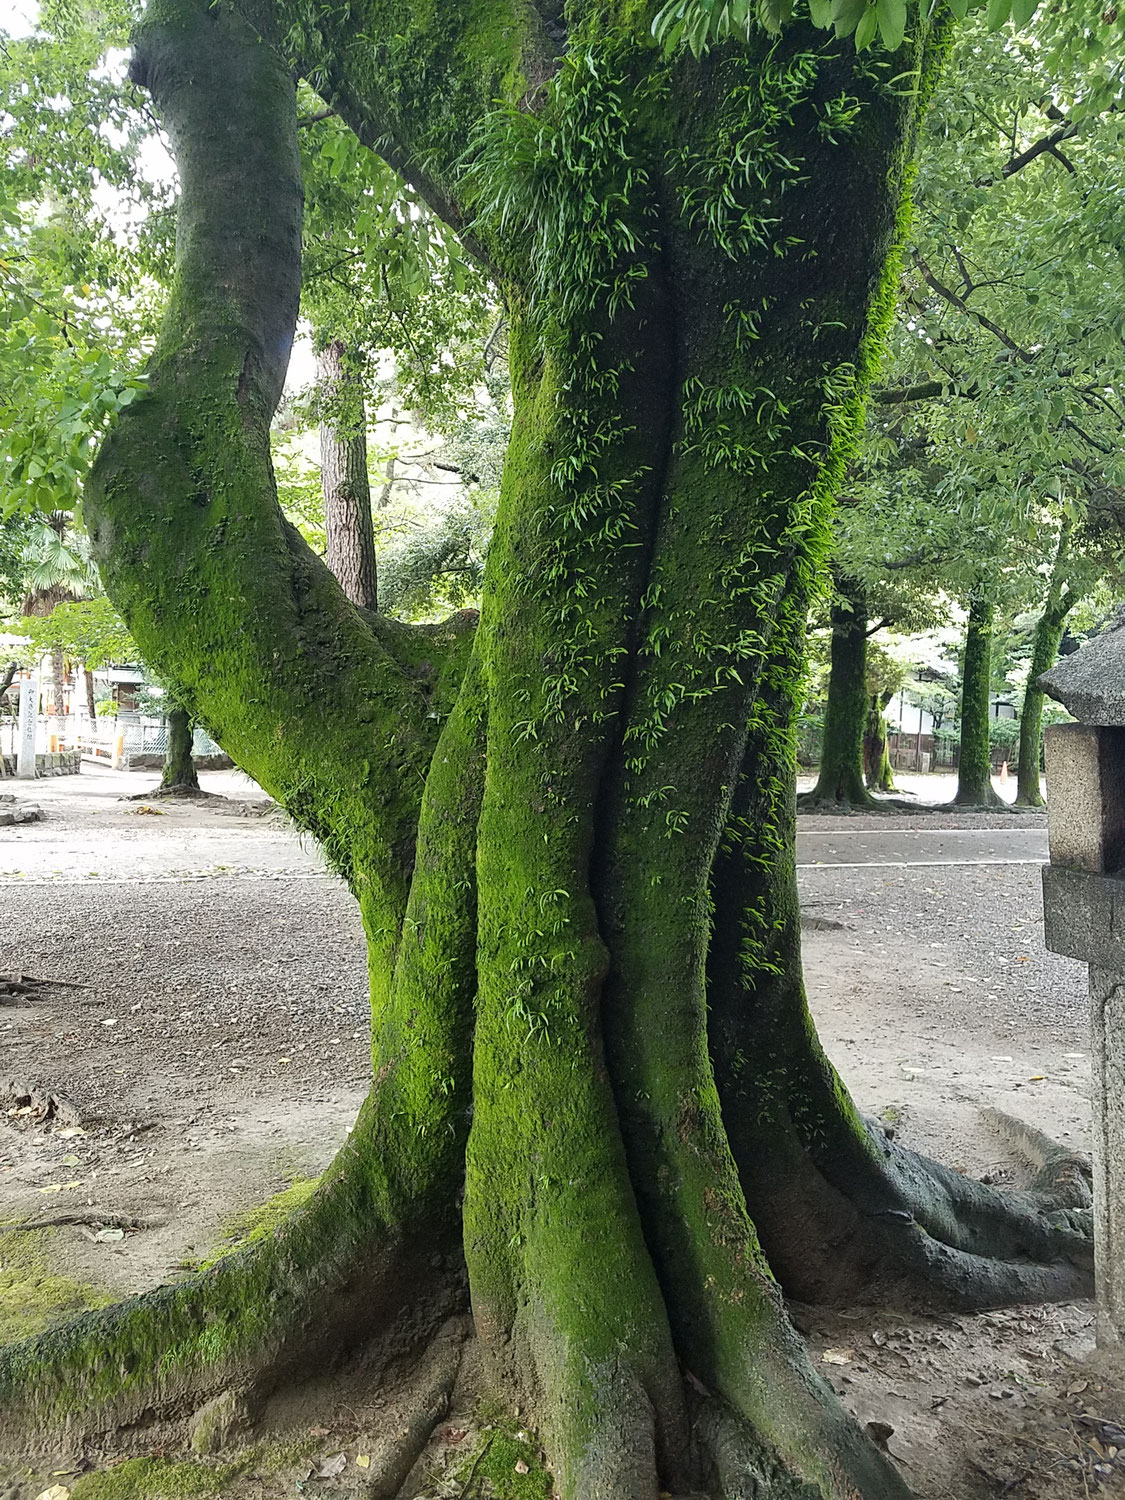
<point x="56" y="1492"/>
<point x="521" y="1467"/>
<point x="363" y="1460"/>
<point x="838" y="1356"/>
<point x="330" y="1467"/>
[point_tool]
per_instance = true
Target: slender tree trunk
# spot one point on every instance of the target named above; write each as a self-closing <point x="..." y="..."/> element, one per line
<point x="349" y="533"/>
<point x="1048" y="634"/>
<point x="8" y="677"/>
<point x="179" y="774"/>
<point x="840" y="776"/>
<point x="58" y="692"/>
<point x="1045" y="649"/>
<point x="91" y="706"/>
<point x="876" y="758"/>
<point x="533" y="814"/>
<point x="974" y="764"/>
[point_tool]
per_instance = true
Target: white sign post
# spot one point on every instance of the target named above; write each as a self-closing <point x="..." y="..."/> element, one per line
<point x="29" y="722"/>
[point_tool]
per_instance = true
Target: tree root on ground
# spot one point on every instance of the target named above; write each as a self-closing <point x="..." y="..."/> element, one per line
<point x="892" y="1226"/>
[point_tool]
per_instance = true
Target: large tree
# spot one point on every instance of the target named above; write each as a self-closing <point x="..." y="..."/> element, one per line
<point x="596" y="1086"/>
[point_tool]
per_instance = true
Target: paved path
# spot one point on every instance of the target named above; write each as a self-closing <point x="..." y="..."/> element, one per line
<point x="895" y="847"/>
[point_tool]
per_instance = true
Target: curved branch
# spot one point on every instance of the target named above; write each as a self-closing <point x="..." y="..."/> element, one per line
<point x="333" y="718"/>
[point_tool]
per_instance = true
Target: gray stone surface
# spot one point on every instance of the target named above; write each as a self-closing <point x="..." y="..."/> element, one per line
<point x="1091" y="683"/>
<point x="1084" y="916"/>
<point x="12" y="811"/>
<point x="1107" y="1014"/>
<point x="1086" y="780"/>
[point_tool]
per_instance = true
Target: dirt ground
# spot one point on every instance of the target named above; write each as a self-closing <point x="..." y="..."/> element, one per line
<point x="202" y="1044"/>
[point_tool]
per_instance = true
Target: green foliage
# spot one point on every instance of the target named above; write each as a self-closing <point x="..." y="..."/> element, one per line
<point x="995" y="450"/>
<point x="87" y="630"/>
<point x="697" y="24"/>
<point x="81" y="235"/>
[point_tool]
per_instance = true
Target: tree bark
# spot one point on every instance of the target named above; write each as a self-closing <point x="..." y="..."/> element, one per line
<point x="1049" y="628"/>
<point x="974" y="763"/>
<point x="91" y="706"/>
<point x="533" y="814"/>
<point x="840" y="777"/>
<point x="179" y="774"/>
<point x="877" y="767"/>
<point x="349" y="531"/>
<point x="58" y="691"/>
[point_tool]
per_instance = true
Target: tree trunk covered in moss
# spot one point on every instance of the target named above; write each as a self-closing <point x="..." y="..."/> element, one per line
<point x="543" y="818"/>
<point x="349" y="533"/>
<point x="1061" y="598"/>
<point x="1048" y="636"/>
<point x="876" y="757"/>
<point x="840" y="776"/>
<point x="179" y="764"/>
<point x="974" y="762"/>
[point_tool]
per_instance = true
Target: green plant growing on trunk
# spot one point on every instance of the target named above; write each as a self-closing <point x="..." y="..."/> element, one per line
<point x="597" y="1092"/>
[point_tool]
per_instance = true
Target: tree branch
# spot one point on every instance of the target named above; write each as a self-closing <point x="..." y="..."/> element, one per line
<point x="954" y="300"/>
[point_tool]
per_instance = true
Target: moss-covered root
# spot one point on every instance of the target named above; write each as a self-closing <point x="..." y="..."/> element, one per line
<point x="841" y="1210"/>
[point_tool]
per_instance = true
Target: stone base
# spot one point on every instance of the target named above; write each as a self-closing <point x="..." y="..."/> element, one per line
<point x="59" y="763"/>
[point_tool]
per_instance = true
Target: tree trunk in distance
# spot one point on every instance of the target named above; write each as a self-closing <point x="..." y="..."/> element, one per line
<point x="840" y="774"/>
<point x="876" y="758"/>
<point x="1048" y="635"/>
<point x="8" y="677"/>
<point x="974" y="764"/>
<point x="58" y="691"/>
<point x="349" y="531"/>
<point x="179" y="773"/>
<point x="91" y="706"/>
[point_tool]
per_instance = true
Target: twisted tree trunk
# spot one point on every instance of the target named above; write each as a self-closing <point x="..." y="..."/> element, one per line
<point x="554" y="822"/>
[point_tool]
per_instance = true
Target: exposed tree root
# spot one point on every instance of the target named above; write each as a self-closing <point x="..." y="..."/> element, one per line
<point x="811" y="802"/>
<point x="99" y="1218"/>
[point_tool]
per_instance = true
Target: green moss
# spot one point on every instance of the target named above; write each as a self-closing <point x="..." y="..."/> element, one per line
<point x="169" y="1479"/>
<point x="258" y="1222"/>
<point x="32" y="1295"/>
<point x="157" y="1479"/>
<point x="494" y="1463"/>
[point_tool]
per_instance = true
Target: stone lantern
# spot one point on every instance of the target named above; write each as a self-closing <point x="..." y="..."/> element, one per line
<point x="1084" y="917"/>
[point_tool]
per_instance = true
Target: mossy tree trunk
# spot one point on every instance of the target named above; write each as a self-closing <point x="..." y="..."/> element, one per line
<point x="543" y="818"/>
<point x="876" y="756"/>
<point x="179" y="774"/>
<point x="1061" y="599"/>
<point x="974" y="763"/>
<point x="1048" y="636"/>
<point x="349" y="532"/>
<point x="840" y="777"/>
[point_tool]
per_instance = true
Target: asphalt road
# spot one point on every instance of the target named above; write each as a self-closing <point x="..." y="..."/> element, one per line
<point x="897" y="847"/>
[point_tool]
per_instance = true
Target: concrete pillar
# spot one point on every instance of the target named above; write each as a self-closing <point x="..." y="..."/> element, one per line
<point x="28" y="725"/>
<point x="1107" y="1013"/>
<point x="1084" y="918"/>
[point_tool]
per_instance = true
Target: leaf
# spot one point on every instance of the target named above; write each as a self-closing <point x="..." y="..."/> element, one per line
<point x="1023" y="10"/>
<point x="998" y="12"/>
<point x="330" y="1467"/>
<point x="865" y="31"/>
<point x="892" y="23"/>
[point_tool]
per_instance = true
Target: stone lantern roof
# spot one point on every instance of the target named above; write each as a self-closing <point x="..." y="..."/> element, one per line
<point x="1091" y="683"/>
